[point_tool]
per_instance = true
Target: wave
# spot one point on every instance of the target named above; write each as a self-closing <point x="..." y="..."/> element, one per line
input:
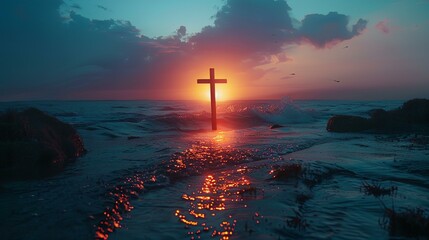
<point x="170" y="108"/>
<point x="285" y="111"/>
<point x="191" y="118"/>
<point x="235" y="115"/>
<point x="180" y="116"/>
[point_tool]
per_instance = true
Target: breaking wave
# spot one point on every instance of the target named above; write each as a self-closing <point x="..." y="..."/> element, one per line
<point x="235" y="115"/>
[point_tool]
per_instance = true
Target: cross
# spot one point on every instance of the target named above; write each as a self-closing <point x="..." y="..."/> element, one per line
<point x="212" y="82"/>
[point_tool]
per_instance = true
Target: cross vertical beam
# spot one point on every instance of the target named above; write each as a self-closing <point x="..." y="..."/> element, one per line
<point x="213" y="98"/>
<point x="212" y="81"/>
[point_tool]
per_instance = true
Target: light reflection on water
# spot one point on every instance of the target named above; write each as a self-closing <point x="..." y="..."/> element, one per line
<point x="209" y="206"/>
<point x="217" y="193"/>
<point x="209" y="212"/>
<point x="121" y="195"/>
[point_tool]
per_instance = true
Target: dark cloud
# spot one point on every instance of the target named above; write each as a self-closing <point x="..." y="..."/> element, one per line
<point x="247" y="27"/>
<point x="257" y="28"/>
<point x="46" y="56"/>
<point x="326" y="30"/>
<point x="42" y="52"/>
<point x="181" y="31"/>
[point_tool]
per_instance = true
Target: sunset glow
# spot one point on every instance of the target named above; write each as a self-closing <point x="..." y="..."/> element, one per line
<point x="370" y="47"/>
<point x="221" y="94"/>
<point x="214" y="119"/>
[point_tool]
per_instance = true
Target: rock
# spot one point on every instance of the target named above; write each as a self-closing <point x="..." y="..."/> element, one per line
<point x="274" y="126"/>
<point x="132" y="137"/>
<point x="412" y="117"/>
<point x="344" y="123"/>
<point x="34" y="144"/>
<point x="416" y="111"/>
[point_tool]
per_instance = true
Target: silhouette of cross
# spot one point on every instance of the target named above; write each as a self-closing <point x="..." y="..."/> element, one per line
<point x="212" y="82"/>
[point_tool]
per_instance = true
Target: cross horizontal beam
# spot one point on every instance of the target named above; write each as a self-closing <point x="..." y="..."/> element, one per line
<point x="210" y="81"/>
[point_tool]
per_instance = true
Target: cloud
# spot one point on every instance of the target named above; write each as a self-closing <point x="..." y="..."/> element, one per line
<point x="181" y="31"/>
<point x="383" y="27"/>
<point x="327" y="30"/>
<point x="247" y="27"/>
<point x="259" y="28"/>
<point x="44" y="56"/>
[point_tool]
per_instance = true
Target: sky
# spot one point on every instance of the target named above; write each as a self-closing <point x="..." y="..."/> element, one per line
<point x="267" y="49"/>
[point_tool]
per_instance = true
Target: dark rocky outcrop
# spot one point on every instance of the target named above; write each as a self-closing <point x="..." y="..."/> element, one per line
<point x="274" y="126"/>
<point x="34" y="144"/>
<point x="412" y="117"/>
<point x="344" y="123"/>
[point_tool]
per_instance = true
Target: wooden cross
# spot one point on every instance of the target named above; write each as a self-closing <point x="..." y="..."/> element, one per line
<point x="212" y="82"/>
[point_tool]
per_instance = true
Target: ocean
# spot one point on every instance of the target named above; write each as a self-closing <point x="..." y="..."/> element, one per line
<point x="155" y="170"/>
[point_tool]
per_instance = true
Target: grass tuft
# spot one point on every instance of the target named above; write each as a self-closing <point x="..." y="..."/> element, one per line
<point x="297" y="221"/>
<point x="287" y="171"/>
<point x="375" y="189"/>
<point x="407" y="223"/>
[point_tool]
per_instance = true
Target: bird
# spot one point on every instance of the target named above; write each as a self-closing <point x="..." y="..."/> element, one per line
<point x="293" y="74"/>
<point x="347" y="46"/>
<point x="336" y="80"/>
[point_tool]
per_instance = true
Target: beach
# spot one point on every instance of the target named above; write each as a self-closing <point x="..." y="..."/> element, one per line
<point x="155" y="170"/>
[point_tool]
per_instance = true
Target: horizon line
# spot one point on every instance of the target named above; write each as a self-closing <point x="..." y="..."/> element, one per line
<point x="198" y="100"/>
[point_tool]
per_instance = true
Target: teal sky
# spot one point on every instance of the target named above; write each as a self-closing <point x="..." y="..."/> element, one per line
<point x="153" y="18"/>
<point x="162" y="18"/>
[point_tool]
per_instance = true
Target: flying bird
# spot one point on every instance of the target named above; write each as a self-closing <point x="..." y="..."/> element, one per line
<point x="102" y="7"/>
<point x="347" y="46"/>
<point x="336" y="80"/>
<point x="76" y="6"/>
<point x="293" y="74"/>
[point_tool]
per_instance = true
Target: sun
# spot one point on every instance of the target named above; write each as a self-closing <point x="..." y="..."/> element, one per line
<point x="219" y="96"/>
